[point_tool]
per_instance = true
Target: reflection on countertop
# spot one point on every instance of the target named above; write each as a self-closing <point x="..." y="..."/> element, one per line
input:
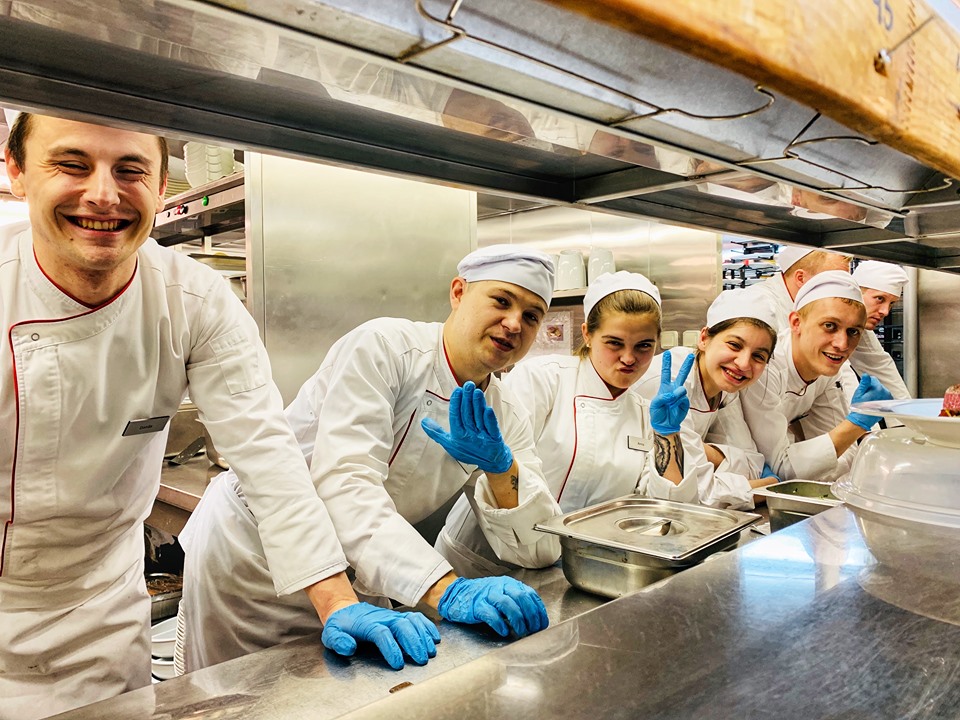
<point x="789" y="626"/>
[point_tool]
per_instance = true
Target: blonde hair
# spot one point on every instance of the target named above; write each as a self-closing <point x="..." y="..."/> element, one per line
<point x="628" y="302"/>
<point x="805" y="311"/>
<point x="814" y="262"/>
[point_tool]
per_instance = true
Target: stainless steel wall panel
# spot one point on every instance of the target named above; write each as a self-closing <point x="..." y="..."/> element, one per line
<point x="939" y="318"/>
<point x="332" y="248"/>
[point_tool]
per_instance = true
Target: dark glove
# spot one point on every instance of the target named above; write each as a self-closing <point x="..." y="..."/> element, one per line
<point x="501" y="602"/>
<point x="474" y="436"/>
<point x="670" y="406"/>
<point x="394" y="633"/>
<point x="868" y="390"/>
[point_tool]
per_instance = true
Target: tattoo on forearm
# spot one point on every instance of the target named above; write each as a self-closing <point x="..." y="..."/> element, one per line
<point x="514" y="482"/>
<point x="665" y="450"/>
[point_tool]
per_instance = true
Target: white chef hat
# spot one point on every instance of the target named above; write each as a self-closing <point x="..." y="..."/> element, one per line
<point x="789" y="255"/>
<point x="523" y="266"/>
<point x="609" y="283"/>
<point x="739" y="303"/>
<point x="828" y="284"/>
<point x="885" y="277"/>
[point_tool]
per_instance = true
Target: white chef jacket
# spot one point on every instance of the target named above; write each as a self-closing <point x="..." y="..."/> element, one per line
<point x="593" y="447"/>
<point x="781" y="397"/>
<point x="869" y="357"/>
<point x="727" y="486"/>
<point x="358" y="423"/>
<point x="77" y="490"/>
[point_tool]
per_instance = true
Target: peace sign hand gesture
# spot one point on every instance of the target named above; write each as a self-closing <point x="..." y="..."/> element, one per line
<point x="670" y="406"/>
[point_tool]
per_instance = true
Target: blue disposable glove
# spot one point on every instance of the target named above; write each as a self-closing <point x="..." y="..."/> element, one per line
<point x="474" y="436"/>
<point x="394" y="633"/>
<point x="501" y="602"/>
<point x="768" y="472"/>
<point x="670" y="406"/>
<point x="868" y="390"/>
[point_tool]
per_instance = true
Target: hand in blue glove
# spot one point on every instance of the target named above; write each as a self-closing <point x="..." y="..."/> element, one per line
<point x="474" y="436"/>
<point x="869" y="389"/>
<point x="502" y="603"/>
<point x="670" y="406"/>
<point x="768" y="472"/>
<point x="394" y="633"/>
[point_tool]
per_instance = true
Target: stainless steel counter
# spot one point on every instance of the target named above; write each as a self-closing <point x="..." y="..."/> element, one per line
<point x="181" y="487"/>
<point x="801" y="624"/>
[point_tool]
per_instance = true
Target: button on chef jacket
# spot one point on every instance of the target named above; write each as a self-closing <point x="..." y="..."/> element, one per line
<point x="593" y="448"/>
<point x="726" y="486"/>
<point x="74" y="491"/>
<point x="781" y="397"/>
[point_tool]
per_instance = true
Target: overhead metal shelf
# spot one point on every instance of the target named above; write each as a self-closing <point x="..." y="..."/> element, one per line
<point x="517" y="97"/>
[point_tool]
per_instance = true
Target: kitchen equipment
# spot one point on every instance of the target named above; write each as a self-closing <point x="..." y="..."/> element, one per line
<point x="188" y="452"/>
<point x="901" y="474"/>
<point x="184" y="429"/>
<point x="795" y="500"/>
<point x="165" y="590"/>
<point x="921" y="416"/>
<point x="600" y="262"/>
<point x="163" y="638"/>
<point x="570" y="271"/>
<point x="621" y="545"/>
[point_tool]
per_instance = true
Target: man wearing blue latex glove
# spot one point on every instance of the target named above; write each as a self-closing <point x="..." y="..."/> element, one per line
<point x="769" y="473"/>
<point x="868" y="390"/>
<point x="667" y="410"/>
<point x="798" y="413"/>
<point x="400" y="418"/>
<point x="393" y="633"/>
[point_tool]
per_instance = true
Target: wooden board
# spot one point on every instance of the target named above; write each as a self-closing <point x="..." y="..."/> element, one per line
<point x="821" y="53"/>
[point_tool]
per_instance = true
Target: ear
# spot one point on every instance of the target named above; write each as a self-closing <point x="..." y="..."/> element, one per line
<point x="800" y="277"/>
<point x="585" y="334"/>
<point x="161" y="200"/>
<point x="15" y="174"/>
<point x="702" y="342"/>
<point x="794" y="321"/>
<point x="458" y="286"/>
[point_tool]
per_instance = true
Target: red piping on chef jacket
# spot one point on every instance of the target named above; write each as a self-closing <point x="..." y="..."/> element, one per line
<point x="16" y="390"/>
<point x="576" y="437"/>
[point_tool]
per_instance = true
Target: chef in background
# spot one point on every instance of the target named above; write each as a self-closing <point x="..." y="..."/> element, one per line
<point x="733" y="351"/>
<point x="882" y="285"/>
<point x="398" y="419"/>
<point x="596" y="438"/>
<point x="104" y="333"/>
<point x="798" y="413"/>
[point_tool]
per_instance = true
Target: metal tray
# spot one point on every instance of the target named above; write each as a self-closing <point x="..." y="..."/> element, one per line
<point x="661" y="529"/>
<point x="799" y="496"/>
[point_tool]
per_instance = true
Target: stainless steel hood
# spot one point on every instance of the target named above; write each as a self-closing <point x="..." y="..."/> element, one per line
<point x="517" y="97"/>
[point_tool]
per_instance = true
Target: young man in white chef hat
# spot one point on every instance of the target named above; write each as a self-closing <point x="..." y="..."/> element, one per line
<point x="798" y="413"/>
<point x="882" y="285"/>
<point x="400" y="416"/>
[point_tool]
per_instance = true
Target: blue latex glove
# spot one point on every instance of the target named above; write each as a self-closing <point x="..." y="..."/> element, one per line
<point x="394" y="633"/>
<point x="502" y="603"/>
<point x="869" y="389"/>
<point x="670" y="406"/>
<point x="474" y="436"/>
<point x="768" y="472"/>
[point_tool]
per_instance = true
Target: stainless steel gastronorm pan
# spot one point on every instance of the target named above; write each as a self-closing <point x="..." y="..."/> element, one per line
<point x="621" y="545"/>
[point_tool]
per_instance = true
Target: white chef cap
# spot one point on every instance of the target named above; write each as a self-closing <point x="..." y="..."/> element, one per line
<point x="789" y="255"/>
<point x="739" y="303"/>
<point x="609" y="283"/>
<point x="885" y="277"/>
<point x="523" y="266"/>
<point x="828" y="284"/>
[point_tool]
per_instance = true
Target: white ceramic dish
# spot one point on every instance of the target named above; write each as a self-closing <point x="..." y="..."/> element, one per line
<point x="922" y="416"/>
<point x="163" y="639"/>
<point x="162" y="668"/>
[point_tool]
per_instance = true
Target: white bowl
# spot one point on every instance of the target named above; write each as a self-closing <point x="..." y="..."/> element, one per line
<point x="922" y="416"/>
<point x="162" y="668"/>
<point x="163" y="638"/>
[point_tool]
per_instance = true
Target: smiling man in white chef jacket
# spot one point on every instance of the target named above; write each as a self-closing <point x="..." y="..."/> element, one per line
<point x="371" y="422"/>
<point x="103" y="334"/>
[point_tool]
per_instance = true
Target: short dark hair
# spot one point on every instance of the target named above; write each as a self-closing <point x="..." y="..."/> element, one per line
<point x="17" y="144"/>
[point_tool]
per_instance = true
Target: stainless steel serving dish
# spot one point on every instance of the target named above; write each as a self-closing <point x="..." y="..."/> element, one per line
<point x="795" y="500"/>
<point x="621" y="545"/>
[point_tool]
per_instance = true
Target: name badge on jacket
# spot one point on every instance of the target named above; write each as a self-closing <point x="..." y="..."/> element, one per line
<point x="639" y="443"/>
<point x="146" y="425"/>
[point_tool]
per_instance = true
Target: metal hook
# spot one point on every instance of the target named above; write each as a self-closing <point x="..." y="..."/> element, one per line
<point x="460" y="32"/>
